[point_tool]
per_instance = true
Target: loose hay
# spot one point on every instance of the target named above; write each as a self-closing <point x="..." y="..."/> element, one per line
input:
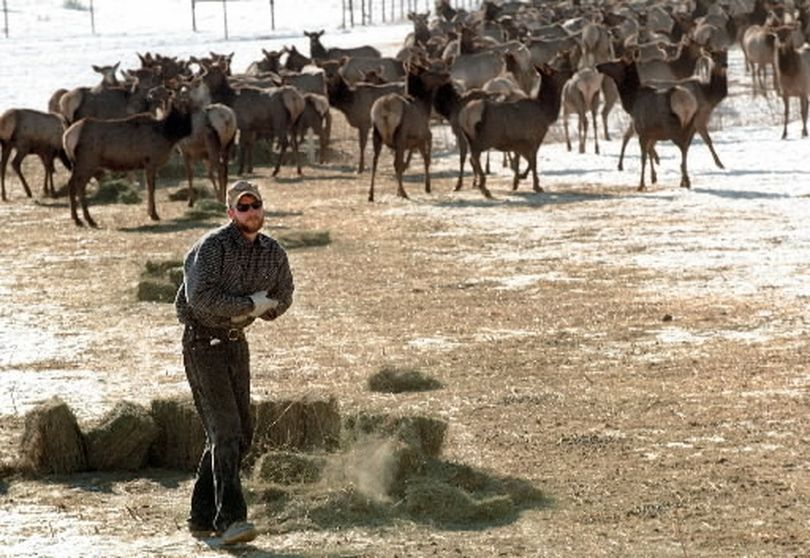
<point x="302" y="424"/>
<point x="122" y="439"/>
<point x="284" y="467"/>
<point x="200" y="194"/>
<point x="392" y="379"/>
<point x="160" y="281"/>
<point x="181" y="439"/>
<point x="205" y="210"/>
<point x="52" y="442"/>
<point x="426" y="434"/>
<point x="295" y="238"/>
<point x="115" y="190"/>
<point x="427" y="499"/>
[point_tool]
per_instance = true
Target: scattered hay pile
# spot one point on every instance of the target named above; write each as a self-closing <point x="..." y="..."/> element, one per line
<point x="297" y="238"/>
<point x="204" y="210"/>
<point x="114" y="189"/>
<point x="393" y="379"/>
<point x="181" y="194"/>
<point x="160" y="281"/>
<point x="287" y="468"/>
<point x="299" y="424"/>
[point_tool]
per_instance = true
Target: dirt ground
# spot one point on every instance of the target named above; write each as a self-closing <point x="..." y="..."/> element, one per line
<point x="659" y="413"/>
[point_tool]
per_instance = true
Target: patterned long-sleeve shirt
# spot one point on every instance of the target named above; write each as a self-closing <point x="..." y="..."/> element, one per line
<point x="220" y="272"/>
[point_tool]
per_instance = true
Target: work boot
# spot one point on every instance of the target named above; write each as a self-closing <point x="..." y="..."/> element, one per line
<point x="239" y="532"/>
<point x="199" y="528"/>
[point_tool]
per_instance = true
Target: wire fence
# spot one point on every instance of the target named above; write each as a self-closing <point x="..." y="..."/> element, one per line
<point x="353" y="12"/>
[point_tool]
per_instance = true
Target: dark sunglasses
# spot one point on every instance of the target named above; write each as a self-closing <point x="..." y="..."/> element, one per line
<point x="243" y="207"/>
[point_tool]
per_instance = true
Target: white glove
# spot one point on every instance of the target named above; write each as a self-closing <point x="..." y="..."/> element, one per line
<point x="237" y="320"/>
<point x="261" y="303"/>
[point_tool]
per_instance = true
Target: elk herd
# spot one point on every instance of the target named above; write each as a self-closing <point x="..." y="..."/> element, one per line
<point x="499" y="76"/>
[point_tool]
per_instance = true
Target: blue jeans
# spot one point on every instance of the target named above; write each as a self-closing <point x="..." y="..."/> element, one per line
<point x="218" y="371"/>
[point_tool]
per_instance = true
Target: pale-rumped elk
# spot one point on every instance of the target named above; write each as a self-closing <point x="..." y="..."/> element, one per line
<point x="657" y="114"/>
<point x="109" y="102"/>
<point x="355" y="104"/>
<point x="31" y="131"/>
<point x="108" y="79"/>
<point x="516" y="126"/>
<point x="402" y="122"/>
<point x="448" y="102"/>
<point x="759" y="47"/>
<point x="352" y="69"/>
<point x="318" y="52"/>
<point x="709" y="85"/>
<point x="213" y="132"/>
<point x="138" y="142"/>
<point x="316" y="117"/>
<point x="581" y="95"/>
<point x="272" y="111"/>
<point x="793" y="69"/>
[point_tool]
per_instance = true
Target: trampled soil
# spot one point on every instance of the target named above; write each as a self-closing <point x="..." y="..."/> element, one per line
<point x="660" y="409"/>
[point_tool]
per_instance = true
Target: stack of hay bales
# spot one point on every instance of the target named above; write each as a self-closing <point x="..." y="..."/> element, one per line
<point x="160" y="281"/>
<point x="52" y="442"/>
<point x="180" y="439"/>
<point x="121" y="441"/>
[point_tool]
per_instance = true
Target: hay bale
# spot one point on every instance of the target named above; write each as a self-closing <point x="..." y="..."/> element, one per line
<point x="115" y="190"/>
<point x="159" y="268"/>
<point x="300" y="424"/>
<point x="427" y="499"/>
<point x="156" y="290"/>
<point x="122" y="439"/>
<point x="284" y="467"/>
<point x="182" y="194"/>
<point x="297" y="238"/>
<point x="52" y="442"/>
<point x="180" y="439"/>
<point x="425" y="434"/>
<point x="392" y="379"/>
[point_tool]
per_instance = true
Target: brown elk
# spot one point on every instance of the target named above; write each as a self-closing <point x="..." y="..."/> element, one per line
<point x="318" y="52"/>
<point x="138" y="142"/>
<point x="31" y="131"/>
<point x="657" y="114"/>
<point x="793" y="70"/>
<point x="517" y="126"/>
<point x="402" y="122"/>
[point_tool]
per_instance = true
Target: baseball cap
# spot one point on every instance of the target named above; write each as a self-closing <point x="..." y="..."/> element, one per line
<point x="241" y="188"/>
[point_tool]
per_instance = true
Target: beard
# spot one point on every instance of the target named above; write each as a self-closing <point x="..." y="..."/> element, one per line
<point x="251" y="225"/>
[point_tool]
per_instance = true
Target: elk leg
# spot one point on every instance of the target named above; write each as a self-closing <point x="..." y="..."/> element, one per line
<point x="399" y="168"/>
<point x="786" y="101"/>
<point x="296" y="155"/>
<point x="516" y="171"/>
<point x="803" y="102"/>
<point x="704" y="134"/>
<point x="150" y="173"/>
<point x="188" y="163"/>
<point x="283" y="143"/>
<point x="363" y="135"/>
<point x="475" y="160"/>
<point x="3" y="166"/>
<point x="627" y="135"/>
<point x="461" y="141"/>
<point x="16" y="164"/>
<point x="567" y="135"/>
<point x="376" y="140"/>
<point x="641" y="144"/>
<point x="488" y="169"/>
<point x="595" y="130"/>
<point x="532" y="159"/>
<point x="584" y="136"/>
<point x="685" y="182"/>
<point x="425" y="150"/>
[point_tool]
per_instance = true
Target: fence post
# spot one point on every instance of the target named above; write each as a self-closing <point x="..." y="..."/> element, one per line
<point x="5" y="18"/>
<point x="92" y="18"/>
<point x="351" y="13"/>
<point x="272" y="15"/>
<point x="225" y="17"/>
<point x="362" y="12"/>
<point x="193" y="17"/>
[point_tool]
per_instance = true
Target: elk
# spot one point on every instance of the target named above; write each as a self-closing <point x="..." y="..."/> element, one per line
<point x="355" y="104"/>
<point x="108" y="79"/>
<point x="271" y="110"/>
<point x="213" y="131"/>
<point x="141" y="141"/>
<point x="793" y="69"/>
<point x="656" y="114"/>
<point x="31" y="131"/>
<point x="581" y="94"/>
<point x="316" y="117"/>
<point x="759" y="46"/>
<point x="295" y="60"/>
<point x="709" y="85"/>
<point x="402" y="122"/>
<point x="318" y="52"/>
<point x="109" y="102"/>
<point x="519" y="126"/>
<point x="270" y="63"/>
<point x="352" y="69"/>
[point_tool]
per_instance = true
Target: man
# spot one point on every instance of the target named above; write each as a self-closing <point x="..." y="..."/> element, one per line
<point x="232" y="275"/>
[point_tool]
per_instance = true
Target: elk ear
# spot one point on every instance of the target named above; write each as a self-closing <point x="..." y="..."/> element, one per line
<point x="411" y="16"/>
<point x="635" y="53"/>
<point x="96" y="68"/>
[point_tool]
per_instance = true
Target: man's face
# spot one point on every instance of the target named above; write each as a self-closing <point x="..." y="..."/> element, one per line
<point x="248" y="217"/>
